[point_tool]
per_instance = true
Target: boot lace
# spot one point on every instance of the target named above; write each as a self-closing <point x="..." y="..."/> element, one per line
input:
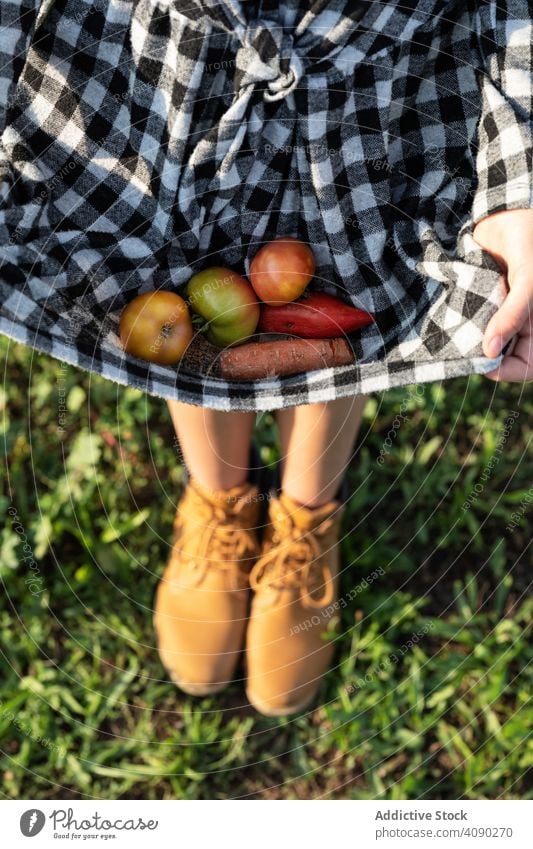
<point x="221" y="542"/>
<point x="295" y="560"/>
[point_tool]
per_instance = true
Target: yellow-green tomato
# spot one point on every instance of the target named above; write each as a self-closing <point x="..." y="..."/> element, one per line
<point x="227" y="302"/>
<point x="157" y="327"/>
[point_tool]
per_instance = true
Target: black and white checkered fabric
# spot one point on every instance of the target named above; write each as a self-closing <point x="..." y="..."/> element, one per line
<point x="142" y="140"/>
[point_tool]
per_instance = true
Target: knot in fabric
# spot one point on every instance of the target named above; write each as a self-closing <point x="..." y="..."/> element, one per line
<point x="268" y="56"/>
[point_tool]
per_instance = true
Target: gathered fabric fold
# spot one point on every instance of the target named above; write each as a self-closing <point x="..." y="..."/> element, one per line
<point x="141" y="141"/>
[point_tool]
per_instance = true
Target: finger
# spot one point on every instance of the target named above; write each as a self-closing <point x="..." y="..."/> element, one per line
<point x="512" y="369"/>
<point x="515" y="311"/>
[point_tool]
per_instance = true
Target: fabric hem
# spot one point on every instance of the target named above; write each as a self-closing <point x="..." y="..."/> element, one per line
<point x="498" y="199"/>
<point x="374" y="377"/>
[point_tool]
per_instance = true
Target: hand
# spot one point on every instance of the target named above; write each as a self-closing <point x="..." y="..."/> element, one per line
<point x="508" y="237"/>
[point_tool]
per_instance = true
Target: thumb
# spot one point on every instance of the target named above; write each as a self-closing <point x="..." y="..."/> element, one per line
<point x="515" y="311"/>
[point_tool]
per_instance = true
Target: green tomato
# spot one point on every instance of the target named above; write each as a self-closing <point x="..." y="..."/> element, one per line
<point x="227" y="302"/>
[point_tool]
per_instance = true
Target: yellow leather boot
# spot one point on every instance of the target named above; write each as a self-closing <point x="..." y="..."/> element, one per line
<point x="293" y="615"/>
<point x="202" y="600"/>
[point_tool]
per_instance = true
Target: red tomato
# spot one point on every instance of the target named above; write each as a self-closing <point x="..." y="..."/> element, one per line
<point x="227" y="302"/>
<point x="156" y="327"/>
<point x="281" y="270"/>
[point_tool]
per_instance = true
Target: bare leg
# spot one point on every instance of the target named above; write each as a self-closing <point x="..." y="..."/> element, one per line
<point x="215" y="444"/>
<point x="316" y="443"/>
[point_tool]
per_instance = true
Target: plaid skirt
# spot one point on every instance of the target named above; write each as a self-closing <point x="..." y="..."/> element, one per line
<point x="142" y="140"/>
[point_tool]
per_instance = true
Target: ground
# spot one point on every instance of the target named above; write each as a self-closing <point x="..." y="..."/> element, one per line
<point x="430" y="695"/>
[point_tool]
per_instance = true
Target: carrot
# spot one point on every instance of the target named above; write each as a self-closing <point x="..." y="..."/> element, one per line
<point x="258" y="360"/>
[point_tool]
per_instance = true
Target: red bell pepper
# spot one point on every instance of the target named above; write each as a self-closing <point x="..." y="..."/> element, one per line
<point x="314" y="316"/>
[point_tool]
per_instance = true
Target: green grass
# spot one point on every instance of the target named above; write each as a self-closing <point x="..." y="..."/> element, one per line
<point x="85" y="708"/>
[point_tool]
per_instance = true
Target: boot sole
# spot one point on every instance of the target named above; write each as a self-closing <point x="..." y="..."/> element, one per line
<point x="197" y="689"/>
<point x="267" y="710"/>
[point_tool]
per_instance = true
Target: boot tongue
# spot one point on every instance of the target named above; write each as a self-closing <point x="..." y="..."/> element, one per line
<point x="307" y="518"/>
